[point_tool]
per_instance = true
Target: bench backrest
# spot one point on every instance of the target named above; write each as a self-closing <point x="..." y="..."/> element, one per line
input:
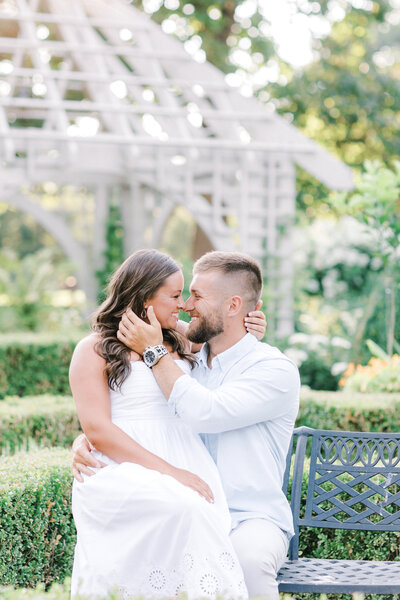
<point x="353" y="481"/>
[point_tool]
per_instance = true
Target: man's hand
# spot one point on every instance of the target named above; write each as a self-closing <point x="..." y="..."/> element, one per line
<point x="82" y="458"/>
<point x="256" y="323"/>
<point x="138" y="335"/>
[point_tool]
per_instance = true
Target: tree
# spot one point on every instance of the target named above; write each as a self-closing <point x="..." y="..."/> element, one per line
<point x="348" y="99"/>
<point x="114" y="252"/>
<point x="376" y="203"/>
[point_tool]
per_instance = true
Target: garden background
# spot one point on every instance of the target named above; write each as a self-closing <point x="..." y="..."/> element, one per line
<point x="338" y="80"/>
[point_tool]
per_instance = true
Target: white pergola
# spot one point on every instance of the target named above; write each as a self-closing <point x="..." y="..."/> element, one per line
<point x="94" y="94"/>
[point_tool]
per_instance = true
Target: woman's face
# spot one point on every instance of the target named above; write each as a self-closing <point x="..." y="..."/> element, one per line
<point x="167" y="301"/>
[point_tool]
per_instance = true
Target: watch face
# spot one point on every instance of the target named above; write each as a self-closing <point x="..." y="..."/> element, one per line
<point x="150" y="357"/>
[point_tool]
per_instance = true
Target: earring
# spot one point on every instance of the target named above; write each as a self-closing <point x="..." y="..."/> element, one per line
<point x="143" y="314"/>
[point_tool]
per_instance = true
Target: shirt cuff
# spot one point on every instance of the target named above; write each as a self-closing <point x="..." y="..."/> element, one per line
<point x="179" y="391"/>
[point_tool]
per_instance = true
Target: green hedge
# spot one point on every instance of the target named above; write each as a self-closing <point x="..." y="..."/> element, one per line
<point x="35" y="364"/>
<point x="349" y="411"/>
<point x="52" y="420"/>
<point x="37" y="534"/>
<point x="56" y="592"/>
<point x="42" y="420"/>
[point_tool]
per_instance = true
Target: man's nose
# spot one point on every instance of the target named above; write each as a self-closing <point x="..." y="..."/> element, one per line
<point x="188" y="305"/>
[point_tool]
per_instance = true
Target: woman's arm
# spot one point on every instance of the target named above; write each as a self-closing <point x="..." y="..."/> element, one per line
<point x="91" y="395"/>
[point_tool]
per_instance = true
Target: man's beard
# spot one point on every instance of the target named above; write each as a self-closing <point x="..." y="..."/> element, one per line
<point x="205" y="329"/>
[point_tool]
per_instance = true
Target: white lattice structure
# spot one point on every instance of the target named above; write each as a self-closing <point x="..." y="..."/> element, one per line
<point x="94" y="94"/>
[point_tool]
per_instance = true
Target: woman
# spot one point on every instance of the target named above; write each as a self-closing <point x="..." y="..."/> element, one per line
<point x="154" y="522"/>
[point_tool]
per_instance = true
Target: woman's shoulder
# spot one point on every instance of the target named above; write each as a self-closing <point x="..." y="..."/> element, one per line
<point x="86" y="347"/>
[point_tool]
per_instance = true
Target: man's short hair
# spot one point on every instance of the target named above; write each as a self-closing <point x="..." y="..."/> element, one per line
<point x="234" y="263"/>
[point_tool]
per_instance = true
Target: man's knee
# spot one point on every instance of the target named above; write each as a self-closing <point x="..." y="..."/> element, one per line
<point x="261" y="548"/>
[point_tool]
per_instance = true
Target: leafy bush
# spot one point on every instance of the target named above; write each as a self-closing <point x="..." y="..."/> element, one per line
<point x="349" y="411"/>
<point x="377" y="376"/>
<point x="44" y="420"/>
<point x="320" y="358"/>
<point x="52" y="420"/>
<point x="31" y="365"/>
<point x="56" y="592"/>
<point x="37" y="533"/>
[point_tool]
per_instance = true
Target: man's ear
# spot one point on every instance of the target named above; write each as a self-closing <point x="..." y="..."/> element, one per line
<point x="235" y="306"/>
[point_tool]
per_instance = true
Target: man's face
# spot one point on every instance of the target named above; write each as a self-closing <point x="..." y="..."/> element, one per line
<point x="205" y="308"/>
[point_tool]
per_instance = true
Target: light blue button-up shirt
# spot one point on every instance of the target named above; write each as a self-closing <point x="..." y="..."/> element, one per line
<point x="246" y="406"/>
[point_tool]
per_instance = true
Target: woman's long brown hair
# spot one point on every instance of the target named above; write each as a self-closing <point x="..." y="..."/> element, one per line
<point x="133" y="283"/>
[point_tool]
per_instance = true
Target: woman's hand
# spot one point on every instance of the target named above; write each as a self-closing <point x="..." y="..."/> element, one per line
<point x="83" y="458"/>
<point x="256" y="323"/>
<point x="193" y="481"/>
<point x="136" y="333"/>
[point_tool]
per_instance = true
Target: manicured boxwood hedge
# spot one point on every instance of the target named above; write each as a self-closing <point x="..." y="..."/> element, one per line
<point x="37" y="534"/>
<point x="35" y="364"/>
<point x="349" y="411"/>
<point x="52" y="420"/>
<point x="37" y="420"/>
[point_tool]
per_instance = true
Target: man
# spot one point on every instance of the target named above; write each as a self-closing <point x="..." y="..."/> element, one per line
<point x="243" y="397"/>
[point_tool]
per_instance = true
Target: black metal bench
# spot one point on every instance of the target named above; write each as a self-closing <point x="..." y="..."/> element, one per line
<point x="353" y="483"/>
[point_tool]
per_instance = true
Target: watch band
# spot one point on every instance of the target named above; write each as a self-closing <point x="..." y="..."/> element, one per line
<point x="152" y="354"/>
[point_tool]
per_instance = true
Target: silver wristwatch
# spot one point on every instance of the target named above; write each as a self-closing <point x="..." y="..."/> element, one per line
<point x="152" y="354"/>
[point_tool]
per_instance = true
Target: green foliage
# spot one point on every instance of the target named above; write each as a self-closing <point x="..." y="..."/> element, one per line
<point x="377" y="376"/>
<point x="26" y="285"/>
<point x="55" y="592"/>
<point x="376" y="203"/>
<point x="349" y="411"/>
<point x="37" y="420"/>
<point x="209" y="26"/>
<point x="348" y="101"/>
<point x="315" y="373"/>
<point x="37" y="534"/>
<point x="114" y="252"/>
<point x="52" y="420"/>
<point x="34" y="367"/>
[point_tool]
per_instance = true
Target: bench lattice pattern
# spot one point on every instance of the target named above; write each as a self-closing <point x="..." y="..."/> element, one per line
<point x="354" y="483"/>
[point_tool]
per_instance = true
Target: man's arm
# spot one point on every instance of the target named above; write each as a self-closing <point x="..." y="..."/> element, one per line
<point x="265" y="391"/>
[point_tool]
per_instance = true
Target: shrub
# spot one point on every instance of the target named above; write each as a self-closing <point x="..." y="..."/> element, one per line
<point x="31" y="365"/>
<point x="56" y="592"/>
<point x="378" y="375"/>
<point x="37" y="533"/>
<point x="349" y="411"/>
<point x="44" y="420"/>
<point x="52" y="420"/>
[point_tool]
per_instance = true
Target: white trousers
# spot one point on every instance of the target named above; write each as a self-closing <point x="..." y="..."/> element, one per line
<point x="261" y="547"/>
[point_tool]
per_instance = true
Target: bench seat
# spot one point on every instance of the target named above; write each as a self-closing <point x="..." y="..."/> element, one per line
<point x="342" y="576"/>
<point x="353" y="483"/>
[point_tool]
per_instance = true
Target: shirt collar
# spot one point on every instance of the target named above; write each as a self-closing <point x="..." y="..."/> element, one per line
<point x="231" y="355"/>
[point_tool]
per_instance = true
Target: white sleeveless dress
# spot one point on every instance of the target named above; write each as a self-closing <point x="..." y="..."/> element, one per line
<point x="143" y="533"/>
